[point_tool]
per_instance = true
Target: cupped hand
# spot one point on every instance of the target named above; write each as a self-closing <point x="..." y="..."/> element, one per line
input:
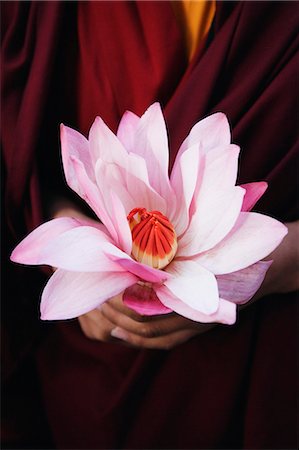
<point x="113" y="321"/>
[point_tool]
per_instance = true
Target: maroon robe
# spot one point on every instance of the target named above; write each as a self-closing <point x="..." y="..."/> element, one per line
<point x="233" y="387"/>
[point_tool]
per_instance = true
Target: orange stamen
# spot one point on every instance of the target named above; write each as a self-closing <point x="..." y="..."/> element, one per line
<point x="154" y="238"/>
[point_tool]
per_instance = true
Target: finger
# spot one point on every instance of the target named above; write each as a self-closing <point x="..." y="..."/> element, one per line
<point x="154" y="328"/>
<point x="95" y="326"/>
<point x="150" y="329"/>
<point x="160" y="343"/>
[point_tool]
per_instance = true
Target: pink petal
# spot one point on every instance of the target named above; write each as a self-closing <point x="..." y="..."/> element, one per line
<point x="193" y="285"/>
<point x="127" y="129"/>
<point x="214" y="218"/>
<point x="144" y="194"/>
<point x="79" y="249"/>
<point x="253" y="237"/>
<point x="145" y="273"/>
<point x="70" y="294"/>
<point x="93" y="196"/>
<point x="74" y="144"/>
<point x="151" y="143"/>
<point x="184" y="178"/>
<point x="254" y="191"/>
<point x="79" y="172"/>
<point x="240" y="286"/>
<point x="221" y="167"/>
<point x="28" y="250"/>
<point x="144" y="300"/>
<point x="151" y="138"/>
<point x="112" y="177"/>
<point x="105" y="145"/>
<point x="226" y="312"/>
<point x="130" y="188"/>
<point x="211" y="132"/>
<point x="136" y="166"/>
<point x="217" y="178"/>
<point x="117" y="202"/>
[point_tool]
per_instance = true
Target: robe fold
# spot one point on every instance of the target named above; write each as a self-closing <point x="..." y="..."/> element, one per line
<point x="232" y="387"/>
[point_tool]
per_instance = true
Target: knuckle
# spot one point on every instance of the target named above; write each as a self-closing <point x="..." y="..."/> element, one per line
<point x="135" y="340"/>
<point x="169" y="345"/>
<point x="135" y="316"/>
<point x="150" y="331"/>
<point x="145" y="331"/>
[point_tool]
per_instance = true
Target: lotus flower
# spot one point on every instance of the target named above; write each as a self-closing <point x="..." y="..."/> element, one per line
<point x="187" y="243"/>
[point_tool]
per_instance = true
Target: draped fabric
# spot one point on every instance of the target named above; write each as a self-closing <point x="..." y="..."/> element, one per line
<point x="233" y="387"/>
<point x="195" y="18"/>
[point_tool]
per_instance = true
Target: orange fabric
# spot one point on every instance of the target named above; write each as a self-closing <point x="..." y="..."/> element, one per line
<point x="195" y="18"/>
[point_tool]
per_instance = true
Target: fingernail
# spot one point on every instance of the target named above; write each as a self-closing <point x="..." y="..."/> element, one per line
<point x="119" y="333"/>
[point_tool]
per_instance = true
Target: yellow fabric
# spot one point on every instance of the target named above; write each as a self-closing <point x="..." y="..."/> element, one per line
<point x="195" y="17"/>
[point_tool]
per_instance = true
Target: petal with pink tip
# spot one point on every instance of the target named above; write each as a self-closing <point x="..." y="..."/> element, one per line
<point x="215" y="216"/>
<point x="145" y="273"/>
<point x="105" y="145"/>
<point x="79" y="249"/>
<point x="144" y="300"/>
<point x="193" y="285"/>
<point x="127" y="129"/>
<point x="226" y="312"/>
<point x="29" y="249"/>
<point x="211" y="132"/>
<point x="71" y="294"/>
<point x="240" y="286"/>
<point x="151" y="138"/>
<point x="78" y="178"/>
<point x="76" y="145"/>
<point x="151" y="143"/>
<point x="253" y="237"/>
<point x="254" y="191"/>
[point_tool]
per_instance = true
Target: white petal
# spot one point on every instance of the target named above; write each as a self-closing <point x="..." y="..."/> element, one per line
<point x="253" y="237"/>
<point x="121" y="224"/>
<point x="214" y="218"/>
<point x="184" y="178"/>
<point x="211" y="132"/>
<point x="193" y="285"/>
<point x="226" y="312"/>
<point x="127" y="129"/>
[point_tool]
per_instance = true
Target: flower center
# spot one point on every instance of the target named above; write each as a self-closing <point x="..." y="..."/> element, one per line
<point x="154" y="238"/>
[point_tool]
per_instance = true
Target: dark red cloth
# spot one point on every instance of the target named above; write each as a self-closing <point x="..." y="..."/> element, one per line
<point x="233" y="387"/>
